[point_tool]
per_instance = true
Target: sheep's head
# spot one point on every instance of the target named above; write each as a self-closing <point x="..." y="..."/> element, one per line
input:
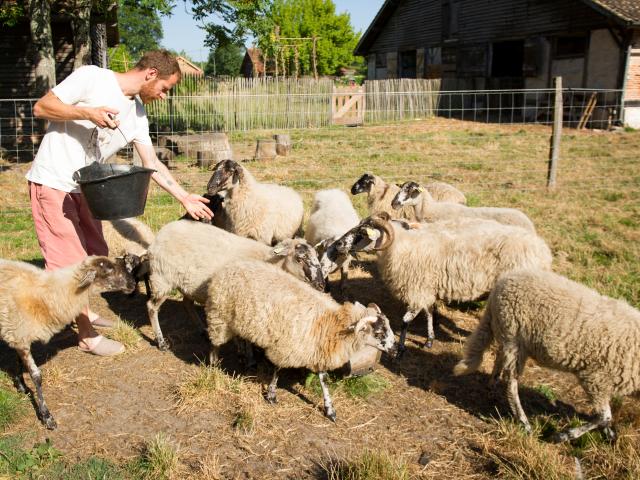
<point x="105" y="275"/>
<point x="299" y="258"/>
<point x="408" y="195"/>
<point x="226" y="175"/>
<point x="364" y="184"/>
<point x="372" y="233"/>
<point x="372" y="328"/>
<point x="330" y="257"/>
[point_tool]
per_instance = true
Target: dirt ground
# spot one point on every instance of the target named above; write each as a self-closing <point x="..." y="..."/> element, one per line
<point x="110" y="406"/>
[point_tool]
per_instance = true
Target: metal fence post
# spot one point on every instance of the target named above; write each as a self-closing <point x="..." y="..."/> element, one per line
<point x="556" y="134"/>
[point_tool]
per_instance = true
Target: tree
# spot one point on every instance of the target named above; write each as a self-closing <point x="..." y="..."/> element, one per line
<point x="308" y="19"/>
<point x="225" y="60"/>
<point x="139" y="25"/>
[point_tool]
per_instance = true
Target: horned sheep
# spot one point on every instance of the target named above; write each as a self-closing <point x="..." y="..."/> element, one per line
<point x="297" y="326"/>
<point x="427" y="209"/>
<point x="332" y="215"/>
<point x="264" y="212"/>
<point x="448" y="261"/>
<point x="36" y="304"/>
<point x="204" y="249"/>
<point x="562" y="325"/>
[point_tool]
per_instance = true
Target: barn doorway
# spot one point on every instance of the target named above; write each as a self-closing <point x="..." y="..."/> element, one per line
<point x="507" y="59"/>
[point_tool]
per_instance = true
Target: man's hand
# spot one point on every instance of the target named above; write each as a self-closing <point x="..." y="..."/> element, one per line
<point x="104" y="117"/>
<point x="195" y="206"/>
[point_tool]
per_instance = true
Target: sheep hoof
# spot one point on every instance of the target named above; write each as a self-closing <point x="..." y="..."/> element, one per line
<point x="610" y="434"/>
<point x="271" y="398"/>
<point x="163" y="346"/>
<point x="49" y="422"/>
<point x="400" y="352"/>
<point x="331" y="415"/>
<point x="428" y="343"/>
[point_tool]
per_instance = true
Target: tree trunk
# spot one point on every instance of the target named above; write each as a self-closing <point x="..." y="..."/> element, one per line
<point x="99" y="44"/>
<point x="81" y="23"/>
<point x="45" y="64"/>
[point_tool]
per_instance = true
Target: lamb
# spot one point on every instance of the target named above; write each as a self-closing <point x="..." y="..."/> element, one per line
<point x="332" y="215"/>
<point x="562" y="325"/>
<point x="297" y="326"/>
<point x="448" y="261"/>
<point x="381" y="194"/>
<point x="36" y="304"/>
<point x="264" y="212"/>
<point x="130" y="236"/>
<point x="204" y="249"/>
<point x="426" y="209"/>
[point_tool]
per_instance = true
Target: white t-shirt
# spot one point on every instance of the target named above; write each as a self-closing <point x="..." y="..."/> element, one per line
<point x="70" y="145"/>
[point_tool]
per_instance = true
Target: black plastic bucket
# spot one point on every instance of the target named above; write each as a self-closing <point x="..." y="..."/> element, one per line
<point x="114" y="191"/>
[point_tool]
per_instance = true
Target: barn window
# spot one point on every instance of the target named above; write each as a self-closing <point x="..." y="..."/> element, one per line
<point x="570" y="46"/>
<point x="407" y="64"/>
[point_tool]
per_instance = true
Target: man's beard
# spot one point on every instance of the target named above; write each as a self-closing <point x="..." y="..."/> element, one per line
<point x="147" y="92"/>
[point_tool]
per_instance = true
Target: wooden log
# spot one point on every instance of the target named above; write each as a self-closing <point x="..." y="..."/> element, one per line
<point x="265" y="149"/>
<point x="283" y="144"/>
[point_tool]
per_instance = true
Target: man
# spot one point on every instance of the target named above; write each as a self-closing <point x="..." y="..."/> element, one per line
<point x="92" y="114"/>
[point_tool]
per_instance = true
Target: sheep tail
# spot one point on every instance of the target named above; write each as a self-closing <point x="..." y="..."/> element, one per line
<point x="475" y="346"/>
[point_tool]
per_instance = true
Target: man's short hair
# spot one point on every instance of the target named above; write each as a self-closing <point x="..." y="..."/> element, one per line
<point x="161" y="60"/>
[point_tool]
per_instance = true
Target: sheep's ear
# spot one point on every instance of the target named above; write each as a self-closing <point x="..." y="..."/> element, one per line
<point x="372" y="233"/>
<point x="375" y="307"/>
<point x="87" y="279"/>
<point x="361" y="324"/>
<point x="281" y="249"/>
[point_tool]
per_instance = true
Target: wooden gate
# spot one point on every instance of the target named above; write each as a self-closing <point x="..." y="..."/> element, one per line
<point x="347" y="105"/>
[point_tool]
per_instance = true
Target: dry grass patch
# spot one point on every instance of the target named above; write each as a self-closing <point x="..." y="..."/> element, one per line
<point x="159" y="460"/>
<point x="368" y="465"/>
<point x="207" y="387"/>
<point x="126" y="334"/>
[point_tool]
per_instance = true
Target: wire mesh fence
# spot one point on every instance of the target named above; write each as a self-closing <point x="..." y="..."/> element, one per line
<point x="492" y="145"/>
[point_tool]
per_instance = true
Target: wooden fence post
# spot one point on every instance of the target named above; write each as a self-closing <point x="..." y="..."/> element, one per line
<point x="556" y="134"/>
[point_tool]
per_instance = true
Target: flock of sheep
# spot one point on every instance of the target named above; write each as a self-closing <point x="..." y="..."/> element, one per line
<point x="265" y="287"/>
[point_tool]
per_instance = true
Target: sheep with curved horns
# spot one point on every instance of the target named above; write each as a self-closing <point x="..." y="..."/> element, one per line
<point x="205" y="249"/>
<point x="380" y="194"/>
<point x="36" y="304"/>
<point x="448" y="261"/>
<point x="264" y="212"/>
<point x="562" y="325"/>
<point x="426" y="209"/>
<point x="332" y="215"/>
<point x="297" y="326"/>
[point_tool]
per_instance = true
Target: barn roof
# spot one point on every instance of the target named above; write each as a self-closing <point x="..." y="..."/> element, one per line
<point x="625" y="12"/>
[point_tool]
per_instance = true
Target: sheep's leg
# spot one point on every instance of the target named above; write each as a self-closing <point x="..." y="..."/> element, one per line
<point x="514" y="402"/>
<point x="408" y="317"/>
<point x="344" y="277"/>
<point x="36" y="376"/>
<point x="329" y="411"/>
<point x="430" y="335"/>
<point x="498" y="367"/>
<point x="219" y="334"/>
<point x="190" y="307"/>
<point x="245" y="353"/>
<point x="603" y="421"/>
<point x="271" y="389"/>
<point x="18" y="375"/>
<point x="153" y="306"/>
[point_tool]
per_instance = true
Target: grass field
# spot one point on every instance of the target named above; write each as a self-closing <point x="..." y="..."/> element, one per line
<point x="591" y="222"/>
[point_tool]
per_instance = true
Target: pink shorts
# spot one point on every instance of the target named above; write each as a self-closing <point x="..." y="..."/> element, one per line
<point x="66" y="230"/>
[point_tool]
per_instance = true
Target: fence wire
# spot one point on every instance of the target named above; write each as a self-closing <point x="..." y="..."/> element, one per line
<point x="492" y="145"/>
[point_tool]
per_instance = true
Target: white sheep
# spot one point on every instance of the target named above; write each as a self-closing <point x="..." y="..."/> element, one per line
<point x="185" y="254"/>
<point x="264" y="212"/>
<point x="36" y="304"/>
<point x="426" y="209"/>
<point x="448" y="261"/>
<point x="332" y="215"/>
<point x="297" y="326"/>
<point x="562" y="325"/>
<point x="130" y="236"/>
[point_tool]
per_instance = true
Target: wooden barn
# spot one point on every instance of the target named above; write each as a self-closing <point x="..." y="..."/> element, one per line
<point x="252" y="63"/>
<point x="506" y="44"/>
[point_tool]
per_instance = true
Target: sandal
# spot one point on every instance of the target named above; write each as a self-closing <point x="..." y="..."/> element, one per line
<point x="104" y="347"/>
<point x="103" y="322"/>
